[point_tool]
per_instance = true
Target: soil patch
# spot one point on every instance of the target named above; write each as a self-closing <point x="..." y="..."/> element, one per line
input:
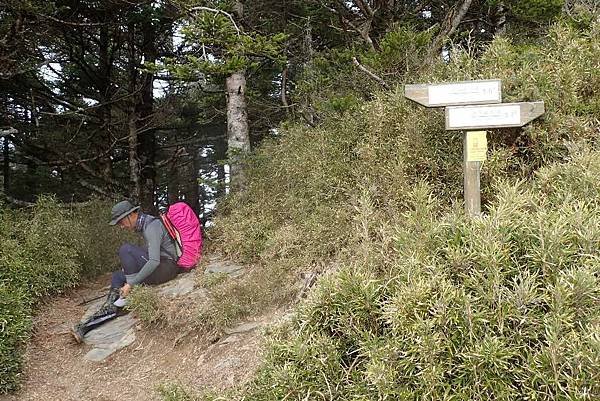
<point x="56" y="368"/>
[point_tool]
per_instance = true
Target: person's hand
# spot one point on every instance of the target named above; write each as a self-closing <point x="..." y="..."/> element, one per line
<point x="125" y="290"/>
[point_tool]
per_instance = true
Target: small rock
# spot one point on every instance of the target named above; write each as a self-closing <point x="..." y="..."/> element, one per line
<point x="229" y="339"/>
<point x="228" y="363"/>
<point x="243" y="328"/>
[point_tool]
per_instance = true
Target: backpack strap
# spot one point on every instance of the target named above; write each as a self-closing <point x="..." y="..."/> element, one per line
<point x="173" y="233"/>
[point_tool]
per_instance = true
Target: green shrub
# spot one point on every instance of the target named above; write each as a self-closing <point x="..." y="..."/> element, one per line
<point x="175" y="392"/>
<point x="15" y="323"/>
<point x="45" y="250"/>
<point x="94" y="256"/>
<point x="504" y="307"/>
<point x="146" y="304"/>
<point x="39" y="252"/>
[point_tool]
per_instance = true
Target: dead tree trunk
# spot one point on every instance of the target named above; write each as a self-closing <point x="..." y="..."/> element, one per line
<point x="238" y="136"/>
<point x="448" y="27"/>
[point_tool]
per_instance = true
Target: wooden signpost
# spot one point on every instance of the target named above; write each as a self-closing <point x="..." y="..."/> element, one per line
<point x="455" y="93"/>
<point x="470" y="106"/>
<point x="492" y="116"/>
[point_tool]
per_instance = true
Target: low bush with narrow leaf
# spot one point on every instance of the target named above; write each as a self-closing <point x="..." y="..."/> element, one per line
<point x="505" y="307"/>
<point x="45" y="250"/>
<point x="424" y="303"/>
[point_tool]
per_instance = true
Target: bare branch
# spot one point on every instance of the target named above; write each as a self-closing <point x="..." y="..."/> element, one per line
<point x="176" y="155"/>
<point x="364" y="32"/>
<point x="370" y="73"/>
<point x="365" y="8"/>
<point x="95" y="188"/>
<point x="448" y="27"/>
<point x="73" y="23"/>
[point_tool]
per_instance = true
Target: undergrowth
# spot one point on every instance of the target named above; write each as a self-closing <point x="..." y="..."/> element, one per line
<point x="505" y="307"/>
<point x="45" y="250"/>
<point x="425" y="304"/>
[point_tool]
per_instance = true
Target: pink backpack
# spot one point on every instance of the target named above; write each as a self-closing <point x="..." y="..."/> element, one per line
<point x="184" y="228"/>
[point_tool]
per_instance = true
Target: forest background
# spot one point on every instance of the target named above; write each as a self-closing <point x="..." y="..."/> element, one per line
<point x="158" y="101"/>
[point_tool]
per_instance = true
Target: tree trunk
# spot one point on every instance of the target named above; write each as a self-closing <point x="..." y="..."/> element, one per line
<point x="448" y="27"/>
<point x="6" y="167"/>
<point x="134" y="166"/>
<point x="192" y="194"/>
<point x="173" y="182"/>
<point x="132" y="120"/>
<point x="309" y="114"/>
<point x="220" y="154"/>
<point x="238" y="136"/>
<point x="499" y="19"/>
<point x="104" y="88"/>
<point x="146" y="128"/>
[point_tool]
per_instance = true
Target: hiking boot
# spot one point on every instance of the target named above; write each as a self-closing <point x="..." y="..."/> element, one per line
<point x="113" y="295"/>
<point x="78" y="333"/>
<point x="108" y="311"/>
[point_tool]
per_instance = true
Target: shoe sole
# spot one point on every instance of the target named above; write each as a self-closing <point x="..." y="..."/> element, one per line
<point x="76" y="336"/>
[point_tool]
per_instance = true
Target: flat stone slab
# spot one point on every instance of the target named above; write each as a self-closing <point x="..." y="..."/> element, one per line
<point x="111" y="332"/>
<point x="224" y="267"/>
<point x="119" y="332"/>
<point x="183" y="284"/>
<point x="243" y="328"/>
<point x="102" y="351"/>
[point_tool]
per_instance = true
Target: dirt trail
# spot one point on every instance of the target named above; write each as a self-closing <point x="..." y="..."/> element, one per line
<point x="56" y="370"/>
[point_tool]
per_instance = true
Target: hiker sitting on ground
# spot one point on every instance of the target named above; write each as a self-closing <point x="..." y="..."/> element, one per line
<point x="154" y="264"/>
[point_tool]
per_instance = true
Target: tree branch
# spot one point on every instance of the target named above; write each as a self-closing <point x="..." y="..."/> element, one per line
<point x="448" y="27"/>
<point x="369" y="73"/>
<point x="365" y="8"/>
<point x="364" y="33"/>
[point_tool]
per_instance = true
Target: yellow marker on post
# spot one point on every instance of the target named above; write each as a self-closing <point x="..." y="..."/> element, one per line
<point x="476" y="146"/>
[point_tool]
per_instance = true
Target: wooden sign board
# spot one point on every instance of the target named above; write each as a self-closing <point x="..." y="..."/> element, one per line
<point x="492" y="116"/>
<point x="455" y="93"/>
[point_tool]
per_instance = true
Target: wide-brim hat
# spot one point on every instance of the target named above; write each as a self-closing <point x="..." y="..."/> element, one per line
<point x="121" y="210"/>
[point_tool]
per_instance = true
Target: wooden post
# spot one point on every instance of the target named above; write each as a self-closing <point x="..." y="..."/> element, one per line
<point x="472" y="105"/>
<point x="471" y="181"/>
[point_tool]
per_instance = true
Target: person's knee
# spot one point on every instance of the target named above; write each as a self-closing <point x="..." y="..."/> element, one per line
<point x="125" y="250"/>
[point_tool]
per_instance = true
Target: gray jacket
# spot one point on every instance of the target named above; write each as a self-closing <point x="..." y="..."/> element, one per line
<point x="159" y="245"/>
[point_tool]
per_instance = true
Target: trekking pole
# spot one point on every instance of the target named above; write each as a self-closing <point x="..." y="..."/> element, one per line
<point x="91" y="299"/>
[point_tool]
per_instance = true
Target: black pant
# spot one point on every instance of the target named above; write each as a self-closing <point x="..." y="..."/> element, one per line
<point x="133" y="258"/>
